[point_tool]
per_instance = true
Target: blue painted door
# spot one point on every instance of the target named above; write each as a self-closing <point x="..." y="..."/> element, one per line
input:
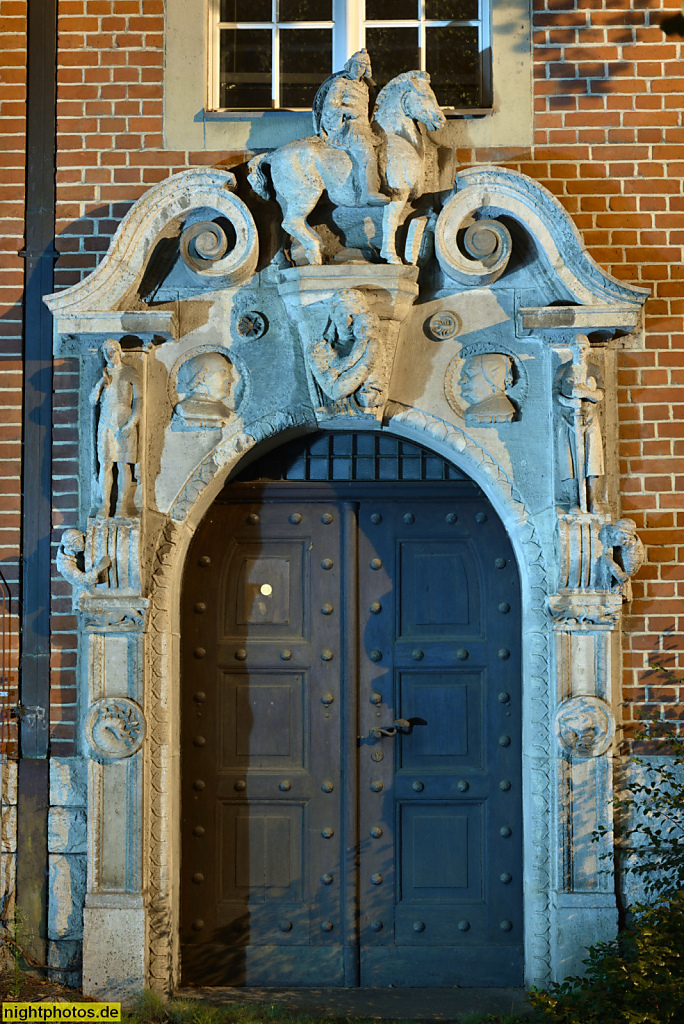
<point x="440" y="879"/>
<point x="324" y="844"/>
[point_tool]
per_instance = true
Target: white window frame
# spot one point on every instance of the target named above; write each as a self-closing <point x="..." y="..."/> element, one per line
<point x="348" y="35"/>
<point x="190" y="127"/>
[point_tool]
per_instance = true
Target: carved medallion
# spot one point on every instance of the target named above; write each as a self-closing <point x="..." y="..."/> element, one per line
<point x="585" y="726"/>
<point x="486" y="385"/>
<point x="114" y="728"/>
<point x="205" y="386"/>
<point x="251" y="325"/>
<point x="444" y="325"/>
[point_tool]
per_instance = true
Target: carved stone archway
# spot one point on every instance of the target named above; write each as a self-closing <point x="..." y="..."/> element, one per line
<point x="475" y="347"/>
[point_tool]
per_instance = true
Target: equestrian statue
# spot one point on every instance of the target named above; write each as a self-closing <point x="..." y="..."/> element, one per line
<point x="362" y="155"/>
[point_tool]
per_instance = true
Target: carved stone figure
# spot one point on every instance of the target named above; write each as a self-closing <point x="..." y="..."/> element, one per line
<point x="581" y="610"/>
<point x="113" y="611"/>
<point x="115" y="728"/>
<point x="627" y="556"/>
<point x="342" y="362"/>
<point x="484" y="381"/>
<point x="302" y="170"/>
<point x="69" y="557"/>
<point x="204" y="385"/>
<point x="118" y="394"/>
<point x="581" y="443"/>
<point x="341" y="111"/>
<point x="585" y="726"/>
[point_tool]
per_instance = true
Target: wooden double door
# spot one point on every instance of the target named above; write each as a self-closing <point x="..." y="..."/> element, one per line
<point x="351" y="740"/>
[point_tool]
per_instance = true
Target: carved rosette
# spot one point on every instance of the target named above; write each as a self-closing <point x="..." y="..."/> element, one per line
<point x="114" y="728"/>
<point x="585" y="726"/>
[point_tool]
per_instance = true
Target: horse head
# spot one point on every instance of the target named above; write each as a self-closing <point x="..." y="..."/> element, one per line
<point x="409" y="95"/>
<point x="420" y="103"/>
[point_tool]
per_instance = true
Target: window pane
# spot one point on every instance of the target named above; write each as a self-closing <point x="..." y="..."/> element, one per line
<point x="453" y="61"/>
<point x="245" y="69"/>
<point x="392" y="50"/>
<point x="451" y="10"/>
<point x="305" y="10"/>
<point x="391" y="10"/>
<point x="246" y="10"/>
<point x="305" y="61"/>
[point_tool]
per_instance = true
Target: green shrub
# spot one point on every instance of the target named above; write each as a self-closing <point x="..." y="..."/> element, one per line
<point x="639" y="977"/>
<point x="636" y="979"/>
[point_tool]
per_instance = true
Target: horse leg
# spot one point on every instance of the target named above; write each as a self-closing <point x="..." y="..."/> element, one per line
<point x="390" y="223"/>
<point x="299" y="186"/>
<point x="294" y="222"/>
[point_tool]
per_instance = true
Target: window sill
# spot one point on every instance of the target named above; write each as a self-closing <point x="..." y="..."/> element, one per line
<point x="238" y="115"/>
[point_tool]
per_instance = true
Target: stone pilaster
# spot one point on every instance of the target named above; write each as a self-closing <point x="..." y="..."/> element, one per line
<point x="114" y="917"/>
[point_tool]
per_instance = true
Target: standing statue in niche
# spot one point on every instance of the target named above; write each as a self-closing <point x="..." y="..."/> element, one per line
<point x="68" y="556"/>
<point x="341" y="110"/>
<point x="581" y="443"/>
<point x="627" y="556"/>
<point x="484" y="380"/>
<point x="118" y="394"/>
<point x="343" y="361"/>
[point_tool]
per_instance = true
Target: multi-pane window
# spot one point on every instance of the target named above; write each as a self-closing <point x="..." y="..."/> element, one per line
<point x="273" y="54"/>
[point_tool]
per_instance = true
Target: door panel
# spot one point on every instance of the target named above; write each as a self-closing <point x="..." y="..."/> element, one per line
<point x="261" y="737"/>
<point x="438" y="648"/>
<point x="309" y="625"/>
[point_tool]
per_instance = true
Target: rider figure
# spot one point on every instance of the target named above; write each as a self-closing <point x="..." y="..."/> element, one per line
<point x="341" y="118"/>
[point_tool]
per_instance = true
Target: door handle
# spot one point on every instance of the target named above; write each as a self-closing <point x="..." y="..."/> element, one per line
<point x="398" y="725"/>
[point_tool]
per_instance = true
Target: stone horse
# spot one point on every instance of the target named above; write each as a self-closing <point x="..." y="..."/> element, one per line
<point x="302" y="170"/>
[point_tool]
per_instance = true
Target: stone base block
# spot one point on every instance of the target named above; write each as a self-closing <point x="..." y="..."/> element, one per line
<point x="68" y="782"/>
<point x="114" y="949"/>
<point x="579" y="920"/>
<point x="67" y="874"/>
<point x="64" y="961"/>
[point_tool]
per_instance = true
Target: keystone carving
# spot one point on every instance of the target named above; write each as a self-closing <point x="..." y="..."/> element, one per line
<point x="585" y="726"/>
<point x="344" y="360"/>
<point x="114" y="728"/>
<point x="118" y="394"/>
<point x="348" y="322"/>
<point x="70" y="558"/>
<point x="580" y="441"/>
<point x="624" y="558"/>
<point x="349" y="149"/>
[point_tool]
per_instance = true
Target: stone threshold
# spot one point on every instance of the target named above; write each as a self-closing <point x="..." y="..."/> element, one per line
<point x="416" y="1004"/>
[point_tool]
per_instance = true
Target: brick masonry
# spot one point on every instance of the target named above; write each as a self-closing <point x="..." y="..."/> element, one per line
<point x="609" y="143"/>
<point x="12" y="157"/>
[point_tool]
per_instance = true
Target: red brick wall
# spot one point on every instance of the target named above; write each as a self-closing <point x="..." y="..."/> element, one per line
<point x="608" y="143"/>
<point x="12" y="155"/>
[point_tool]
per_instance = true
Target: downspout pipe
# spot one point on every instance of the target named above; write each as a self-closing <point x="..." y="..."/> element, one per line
<point x="39" y="253"/>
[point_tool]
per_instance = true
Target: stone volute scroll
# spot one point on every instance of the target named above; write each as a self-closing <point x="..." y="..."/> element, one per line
<point x="580" y="442"/>
<point x="117" y="395"/>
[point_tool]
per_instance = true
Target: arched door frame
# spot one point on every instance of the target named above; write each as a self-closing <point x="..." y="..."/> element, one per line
<point x="163" y="673"/>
